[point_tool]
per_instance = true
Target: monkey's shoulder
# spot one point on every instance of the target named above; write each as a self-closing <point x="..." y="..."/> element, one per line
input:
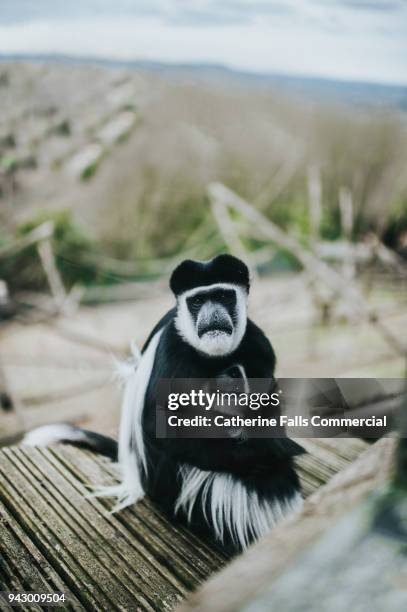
<point x="256" y="336"/>
<point x="164" y="322"/>
<point x="256" y="353"/>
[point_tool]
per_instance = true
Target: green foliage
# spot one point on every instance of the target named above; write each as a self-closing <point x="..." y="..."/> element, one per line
<point x="8" y="163"/>
<point x="70" y="246"/>
<point x="396" y="225"/>
<point x="90" y="170"/>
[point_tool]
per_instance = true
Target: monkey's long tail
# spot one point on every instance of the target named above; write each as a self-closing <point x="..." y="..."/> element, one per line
<point x="67" y="434"/>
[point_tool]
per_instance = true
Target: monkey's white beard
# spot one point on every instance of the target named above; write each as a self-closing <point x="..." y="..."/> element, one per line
<point x="216" y="343"/>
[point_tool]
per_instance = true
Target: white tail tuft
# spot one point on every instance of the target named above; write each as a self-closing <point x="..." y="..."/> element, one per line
<point x="50" y="434"/>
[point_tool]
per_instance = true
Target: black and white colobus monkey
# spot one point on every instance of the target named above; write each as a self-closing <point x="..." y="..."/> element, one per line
<point x="232" y="490"/>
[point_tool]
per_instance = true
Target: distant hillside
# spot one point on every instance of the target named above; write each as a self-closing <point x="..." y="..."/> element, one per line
<point x="348" y="92"/>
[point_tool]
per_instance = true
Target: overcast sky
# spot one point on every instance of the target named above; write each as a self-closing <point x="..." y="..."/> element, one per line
<point x="349" y="39"/>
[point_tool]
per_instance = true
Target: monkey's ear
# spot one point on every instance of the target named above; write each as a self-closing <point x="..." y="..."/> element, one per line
<point x="183" y="276"/>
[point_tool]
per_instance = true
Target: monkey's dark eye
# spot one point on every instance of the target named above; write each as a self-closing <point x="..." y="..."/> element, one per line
<point x="227" y="297"/>
<point x="196" y="301"/>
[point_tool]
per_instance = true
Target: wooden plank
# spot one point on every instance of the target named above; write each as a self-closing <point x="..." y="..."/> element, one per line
<point x="42" y="232"/>
<point x="190" y="557"/>
<point x="21" y="563"/>
<point x="50" y="267"/>
<point x="326" y="457"/>
<point x="63" y="542"/>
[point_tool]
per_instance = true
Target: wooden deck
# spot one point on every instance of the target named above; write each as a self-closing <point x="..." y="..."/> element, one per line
<point x="54" y="538"/>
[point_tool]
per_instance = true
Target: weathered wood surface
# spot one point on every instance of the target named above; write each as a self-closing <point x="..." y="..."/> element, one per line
<point x="247" y="583"/>
<point x="54" y="538"/>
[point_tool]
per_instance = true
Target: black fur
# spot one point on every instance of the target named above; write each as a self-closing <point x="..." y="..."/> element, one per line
<point x="222" y="269"/>
<point x="264" y="465"/>
<point x="95" y="442"/>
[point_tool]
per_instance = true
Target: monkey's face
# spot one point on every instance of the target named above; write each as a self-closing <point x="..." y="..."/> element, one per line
<point x="213" y="318"/>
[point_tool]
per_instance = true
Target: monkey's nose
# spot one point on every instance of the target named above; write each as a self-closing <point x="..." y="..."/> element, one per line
<point x="217" y="321"/>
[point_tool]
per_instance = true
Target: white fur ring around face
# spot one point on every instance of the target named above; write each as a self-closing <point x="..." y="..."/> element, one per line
<point x="213" y="342"/>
